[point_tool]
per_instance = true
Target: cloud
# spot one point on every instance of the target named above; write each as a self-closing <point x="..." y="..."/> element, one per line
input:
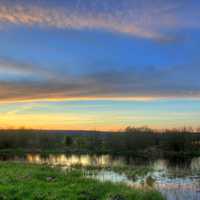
<point x="128" y="17"/>
<point x="30" y="81"/>
<point x="12" y="69"/>
<point x="142" y="84"/>
<point x="14" y="66"/>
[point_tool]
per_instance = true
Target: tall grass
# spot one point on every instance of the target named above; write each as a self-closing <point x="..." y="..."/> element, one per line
<point x="141" y="141"/>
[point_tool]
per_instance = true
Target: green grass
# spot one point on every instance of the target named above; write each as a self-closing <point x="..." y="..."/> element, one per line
<point x="33" y="182"/>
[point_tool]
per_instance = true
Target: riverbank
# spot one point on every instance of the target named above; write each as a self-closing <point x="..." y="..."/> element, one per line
<point x="33" y="182"/>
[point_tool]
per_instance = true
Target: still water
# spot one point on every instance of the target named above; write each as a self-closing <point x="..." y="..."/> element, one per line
<point x="175" y="180"/>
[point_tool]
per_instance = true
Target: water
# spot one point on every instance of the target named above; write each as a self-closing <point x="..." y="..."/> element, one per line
<point x="175" y="180"/>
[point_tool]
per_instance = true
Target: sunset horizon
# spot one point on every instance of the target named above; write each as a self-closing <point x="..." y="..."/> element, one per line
<point x="99" y="99"/>
<point x="99" y="65"/>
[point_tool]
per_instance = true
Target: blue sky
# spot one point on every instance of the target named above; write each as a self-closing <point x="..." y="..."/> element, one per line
<point x="60" y="55"/>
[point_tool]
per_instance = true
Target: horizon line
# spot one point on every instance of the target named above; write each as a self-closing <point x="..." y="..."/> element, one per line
<point x="117" y="98"/>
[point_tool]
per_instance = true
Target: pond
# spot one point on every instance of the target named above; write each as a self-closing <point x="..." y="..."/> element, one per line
<point x="175" y="180"/>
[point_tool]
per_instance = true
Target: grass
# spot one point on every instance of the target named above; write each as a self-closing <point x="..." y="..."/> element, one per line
<point x="33" y="182"/>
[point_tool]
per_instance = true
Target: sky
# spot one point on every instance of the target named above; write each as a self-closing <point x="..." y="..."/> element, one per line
<point x="99" y="64"/>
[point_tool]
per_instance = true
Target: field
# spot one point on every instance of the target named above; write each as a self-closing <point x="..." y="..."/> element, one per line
<point x="22" y="182"/>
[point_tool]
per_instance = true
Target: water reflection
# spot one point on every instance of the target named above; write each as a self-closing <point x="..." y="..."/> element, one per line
<point x="76" y="160"/>
<point x="176" y="181"/>
<point x="108" y="161"/>
<point x="195" y="164"/>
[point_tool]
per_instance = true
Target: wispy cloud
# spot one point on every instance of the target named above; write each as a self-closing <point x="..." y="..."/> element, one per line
<point x="138" y="84"/>
<point x="128" y="18"/>
<point x="153" y="19"/>
<point x="31" y="71"/>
